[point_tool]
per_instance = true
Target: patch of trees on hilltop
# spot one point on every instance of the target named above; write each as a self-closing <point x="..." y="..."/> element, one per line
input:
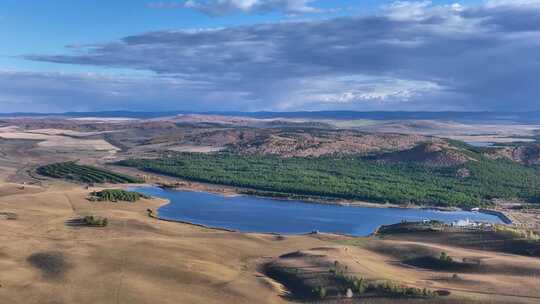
<point x="115" y="195"/>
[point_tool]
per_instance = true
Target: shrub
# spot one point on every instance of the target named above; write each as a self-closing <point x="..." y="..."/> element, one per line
<point x="91" y="220"/>
<point x="359" y="286"/>
<point x="516" y="233"/>
<point x="319" y="292"/>
<point x="445" y="258"/>
<point x="392" y="289"/>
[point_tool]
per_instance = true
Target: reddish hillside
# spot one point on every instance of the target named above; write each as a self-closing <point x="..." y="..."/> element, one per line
<point x="435" y="154"/>
<point x="527" y="154"/>
<point x="300" y="143"/>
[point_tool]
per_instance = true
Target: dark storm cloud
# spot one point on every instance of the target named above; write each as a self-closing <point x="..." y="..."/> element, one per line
<point x="410" y="55"/>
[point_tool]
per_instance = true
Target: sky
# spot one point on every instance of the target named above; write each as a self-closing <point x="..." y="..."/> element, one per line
<point x="269" y="55"/>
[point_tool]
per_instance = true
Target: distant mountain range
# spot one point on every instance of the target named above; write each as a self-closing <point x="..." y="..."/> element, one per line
<point x="520" y="117"/>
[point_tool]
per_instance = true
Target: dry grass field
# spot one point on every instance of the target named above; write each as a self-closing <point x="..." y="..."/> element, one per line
<point x="59" y="139"/>
<point x="137" y="259"/>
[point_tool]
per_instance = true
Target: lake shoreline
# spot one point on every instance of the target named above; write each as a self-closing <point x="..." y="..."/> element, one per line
<point x="227" y="191"/>
<point x="206" y="223"/>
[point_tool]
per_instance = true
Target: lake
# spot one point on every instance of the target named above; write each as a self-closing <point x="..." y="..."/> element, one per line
<point x="265" y="215"/>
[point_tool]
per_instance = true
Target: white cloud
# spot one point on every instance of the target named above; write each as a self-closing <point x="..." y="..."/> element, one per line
<point x="365" y="88"/>
<point x="164" y="5"/>
<point x="407" y="10"/>
<point x="513" y="3"/>
<point x="226" y="7"/>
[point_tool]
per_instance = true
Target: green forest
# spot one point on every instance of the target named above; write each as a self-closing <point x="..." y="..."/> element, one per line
<point x="355" y="177"/>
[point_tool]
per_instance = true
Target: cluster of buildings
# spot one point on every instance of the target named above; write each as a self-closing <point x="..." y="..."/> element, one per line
<point x="470" y="224"/>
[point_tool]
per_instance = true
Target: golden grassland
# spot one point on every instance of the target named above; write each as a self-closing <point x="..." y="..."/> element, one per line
<point x="137" y="259"/>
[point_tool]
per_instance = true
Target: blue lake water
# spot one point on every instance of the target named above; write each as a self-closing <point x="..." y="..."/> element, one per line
<point x="253" y="214"/>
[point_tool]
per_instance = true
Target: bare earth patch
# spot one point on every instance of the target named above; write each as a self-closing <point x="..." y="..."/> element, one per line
<point x="195" y="149"/>
<point x="57" y="141"/>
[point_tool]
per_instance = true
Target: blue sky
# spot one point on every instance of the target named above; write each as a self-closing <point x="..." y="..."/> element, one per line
<point x="268" y="55"/>
<point x="47" y="26"/>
